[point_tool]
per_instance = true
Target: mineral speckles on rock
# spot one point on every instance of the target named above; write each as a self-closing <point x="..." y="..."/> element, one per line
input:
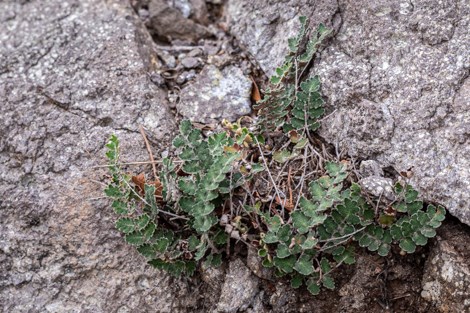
<point x="378" y="186"/>
<point x="170" y="23"/>
<point x="239" y="289"/>
<point x="446" y="281"/>
<point x="71" y="74"/>
<point x="215" y="95"/>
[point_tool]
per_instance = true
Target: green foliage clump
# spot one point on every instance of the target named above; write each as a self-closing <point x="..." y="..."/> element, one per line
<point x="227" y="187"/>
<point x="293" y="102"/>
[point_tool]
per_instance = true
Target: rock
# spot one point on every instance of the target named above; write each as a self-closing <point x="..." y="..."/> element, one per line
<point x="370" y="168"/>
<point x="378" y="186"/>
<point x="167" y="58"/>
<point x="195" y="52"/>
<point x="397" y="75"/>
<point x="215" y="95"/>
<point x="239" y="289"/>
<point x="199" y="12"/>
<point x="157" y="79"/>
<point x="213" y="277"/>
<point x="190" y="62"/>
<point x="181" y="5"/>
<point x="185" y="76"/>
<point x="446" y="280"/>
<point x="264" y="26"/>
<point x="170" y="23"/>
<point x="71" y="74"/>
<point x="254" y="263"/>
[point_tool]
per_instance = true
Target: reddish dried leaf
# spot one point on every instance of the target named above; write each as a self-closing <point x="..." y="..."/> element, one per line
<point x="158" y="189"/>
<point x="139" y="182"/>
<point x="255" y="94"/>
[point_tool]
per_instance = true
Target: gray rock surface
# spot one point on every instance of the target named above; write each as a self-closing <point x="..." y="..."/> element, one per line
<point x="446" y="281"/>
<point x="239" y="289"/>
<point x="216" y="94"/>
<point x="396" y="72"/>
<point x="170" y="23"/>
<point x="72" y="73"/>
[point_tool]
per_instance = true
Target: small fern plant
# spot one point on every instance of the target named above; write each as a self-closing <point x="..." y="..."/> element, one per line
<point x="293" y="102"/>
<point x="219" y="190"/>
<point x="182" y="229"/>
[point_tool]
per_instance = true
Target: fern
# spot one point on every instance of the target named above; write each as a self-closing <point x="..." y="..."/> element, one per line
<point x="293" y="102"/>
<point x="208" y="195"/>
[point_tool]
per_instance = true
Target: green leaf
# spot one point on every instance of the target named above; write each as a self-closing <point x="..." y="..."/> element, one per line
<point x="274" y="223"/>
<point x="310" y="242"/>
<point x="301" y="144"/>
<point x="177" y="268"/>
<point x="284" y="233"/>
<point x="201" y="251"/>
<point x="187" y="186"/>
<point x="185" y="127"/>
<point x="135" y="238"/>
<point x="419" y="239"/>
<point x="282" y="251"/>
<point x="194" y="136"/>
<point x="113" y="192"/>
<point x="179" y="142"/>
<point x="190" y="267"/>
<point x="428" y="232"/>
<point x="301" y="222"/>
<point x="384" y="249"/>
<point x="120" y="207"/>
<point x="328" y="282"/>
<point x="286" y="264"/>
<point x="203" y="209"/>
<point x="267" y="263"/>
<point x="282" y="156"/>
<point x="125" y="225"/>
<point x="411" y="194"/>
<point x="347" y="256"/>
<point x="313" y="287"/>
<point x="193" y="243"/>
<point x="150" y="199"/>
<point x="220" y="238"/>
<point x="149" y="230"/>
<point x="142" y="221"/>
<point x="159" y="264"/>
<point x="386" y="220"/>
<point x="203" y="223"/>
<point x="325" y="265"/>
<point x="191" y="167"/>
<point x="147" y="251"/>
<point x="275" y="80"/>
<point x="296" y="281"/>
<point x="161" y="245"/>
<point x="270" y="237"/>
<point x="408" y="245"/>
<point x="304" y="265"/>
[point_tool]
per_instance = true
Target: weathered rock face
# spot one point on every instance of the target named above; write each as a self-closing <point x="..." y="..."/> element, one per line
<point x="72" y="73"/>
<point x="446" y="281"/>
<point x="239" y="290"/>
<point x="216" y="95"/>
<point x="396" y="75"/>
<point x="172" y="23"/>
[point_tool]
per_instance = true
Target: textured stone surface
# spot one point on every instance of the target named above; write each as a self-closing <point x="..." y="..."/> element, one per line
<point x="216" y="94"/>
<point x="396" y="72"/>
<point x="239" y="290"/>
<point x="446" y="281"/>
<point x="170" y="23"/>
<point x="72" y="73"/>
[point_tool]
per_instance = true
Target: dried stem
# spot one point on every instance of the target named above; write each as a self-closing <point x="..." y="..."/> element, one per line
<point x="152" y="160"/>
